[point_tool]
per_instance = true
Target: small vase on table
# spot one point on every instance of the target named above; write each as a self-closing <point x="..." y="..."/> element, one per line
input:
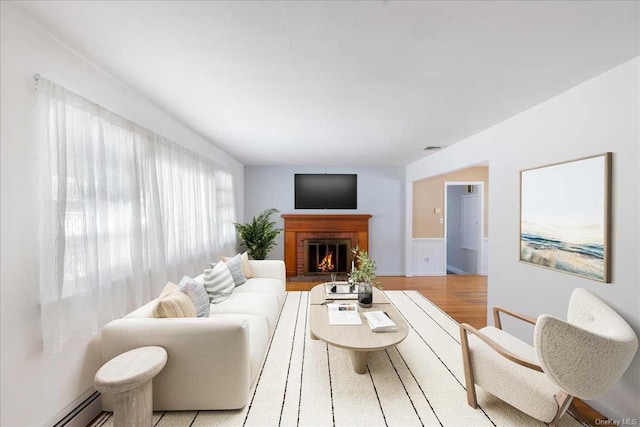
<point x="365" y="295"/>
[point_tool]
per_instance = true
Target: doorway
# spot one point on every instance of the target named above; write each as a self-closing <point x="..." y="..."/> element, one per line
<point x="463" y="227"/>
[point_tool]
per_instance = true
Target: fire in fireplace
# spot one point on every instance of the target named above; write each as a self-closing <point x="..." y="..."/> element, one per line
<point x="327" y="256"/>
<point x="326" y="264"/>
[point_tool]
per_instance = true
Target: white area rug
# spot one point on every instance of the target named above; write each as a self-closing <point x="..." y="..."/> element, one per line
<point x="309" y="383"/>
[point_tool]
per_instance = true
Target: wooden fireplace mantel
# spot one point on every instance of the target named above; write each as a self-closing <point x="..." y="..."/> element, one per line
<point x="294" y="224"/>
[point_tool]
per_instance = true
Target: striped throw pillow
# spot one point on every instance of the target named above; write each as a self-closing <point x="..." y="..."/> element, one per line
<point x="197" y="293"/>
<point x="218" y="282"/>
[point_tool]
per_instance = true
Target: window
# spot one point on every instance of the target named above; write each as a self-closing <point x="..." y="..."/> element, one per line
<point x="125" y="210"/>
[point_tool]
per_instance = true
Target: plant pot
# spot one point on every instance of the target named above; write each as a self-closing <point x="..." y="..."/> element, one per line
<point x="365" y="295"/>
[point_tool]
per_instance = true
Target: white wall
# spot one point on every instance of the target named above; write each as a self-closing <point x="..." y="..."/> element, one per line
<point x="380" y="193"/>
<point x="599" y="115"/>
<point x="35" y="387"/>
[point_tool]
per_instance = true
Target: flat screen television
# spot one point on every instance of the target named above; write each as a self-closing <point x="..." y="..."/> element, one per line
<point x="326" y="191"/>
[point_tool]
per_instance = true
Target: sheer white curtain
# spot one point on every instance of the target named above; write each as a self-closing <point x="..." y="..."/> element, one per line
<point x="123" y="210"/>
<point x="195" y="220"/>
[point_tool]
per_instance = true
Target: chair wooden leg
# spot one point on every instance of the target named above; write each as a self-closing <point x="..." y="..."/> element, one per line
<point x="564" y="400"/>
<point x="468" y="369"/>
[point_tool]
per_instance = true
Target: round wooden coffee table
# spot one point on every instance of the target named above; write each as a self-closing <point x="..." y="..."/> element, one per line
<point x="359" y="340"/>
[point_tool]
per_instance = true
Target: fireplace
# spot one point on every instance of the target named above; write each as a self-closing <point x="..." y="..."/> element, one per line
<point x="325" y="256"/>
<point x="299" y="229"/>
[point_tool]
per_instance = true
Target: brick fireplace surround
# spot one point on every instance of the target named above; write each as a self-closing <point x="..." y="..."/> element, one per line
<point x="300" y="227"/>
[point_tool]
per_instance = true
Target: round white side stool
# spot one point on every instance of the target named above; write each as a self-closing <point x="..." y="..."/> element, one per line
<point x="128" y="377"/>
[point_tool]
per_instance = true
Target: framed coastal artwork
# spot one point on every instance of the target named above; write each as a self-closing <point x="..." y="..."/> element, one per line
<point x="564" y="217"/>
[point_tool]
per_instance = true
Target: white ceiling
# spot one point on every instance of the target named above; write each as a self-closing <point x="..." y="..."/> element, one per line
<point x="353" y="83"/>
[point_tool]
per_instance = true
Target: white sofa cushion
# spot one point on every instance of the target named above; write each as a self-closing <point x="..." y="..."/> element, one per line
<point x="537" y="400"/>
<point x="268" y="268"/>
<point x="272" y="286"/>
<point x="258" y="303"/>
<point x="258" y="339"/>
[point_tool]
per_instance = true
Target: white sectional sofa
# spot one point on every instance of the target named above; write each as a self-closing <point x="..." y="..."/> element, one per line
<point x="212" y="362"/>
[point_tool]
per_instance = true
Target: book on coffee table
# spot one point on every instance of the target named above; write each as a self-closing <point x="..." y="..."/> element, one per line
<point x="343" y="314"/>
<point x="379" y="321"/>
<point x="340" y="290"/>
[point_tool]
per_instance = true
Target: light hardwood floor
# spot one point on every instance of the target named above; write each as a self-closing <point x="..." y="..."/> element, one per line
<point x="464" y="298"/>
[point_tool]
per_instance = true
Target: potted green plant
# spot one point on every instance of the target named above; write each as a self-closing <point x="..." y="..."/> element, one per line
<point x="259" y="235"/>
<point x="364" y="275"/>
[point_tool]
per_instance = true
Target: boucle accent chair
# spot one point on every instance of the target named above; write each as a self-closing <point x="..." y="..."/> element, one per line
<point x="581" y="357"/>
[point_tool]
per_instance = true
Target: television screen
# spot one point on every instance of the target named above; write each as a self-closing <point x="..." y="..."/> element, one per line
<point x="326" y="191"/>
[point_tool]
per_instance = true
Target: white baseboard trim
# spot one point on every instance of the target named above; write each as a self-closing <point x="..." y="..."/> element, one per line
<point x="80" y="412"/>
<point x="430" y="274"/>
<point x="456" y="270"/>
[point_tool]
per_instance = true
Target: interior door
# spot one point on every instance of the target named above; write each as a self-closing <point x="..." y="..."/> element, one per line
<point x="471" y="222"/>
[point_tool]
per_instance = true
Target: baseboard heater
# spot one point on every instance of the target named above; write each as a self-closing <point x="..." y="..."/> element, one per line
<point x="79" y="413"/>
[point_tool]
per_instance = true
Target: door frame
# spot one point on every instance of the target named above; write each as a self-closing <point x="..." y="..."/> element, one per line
<point x="480" y="185"/>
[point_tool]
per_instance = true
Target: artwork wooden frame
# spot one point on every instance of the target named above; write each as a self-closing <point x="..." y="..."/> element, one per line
<point x="565" y="217"/>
